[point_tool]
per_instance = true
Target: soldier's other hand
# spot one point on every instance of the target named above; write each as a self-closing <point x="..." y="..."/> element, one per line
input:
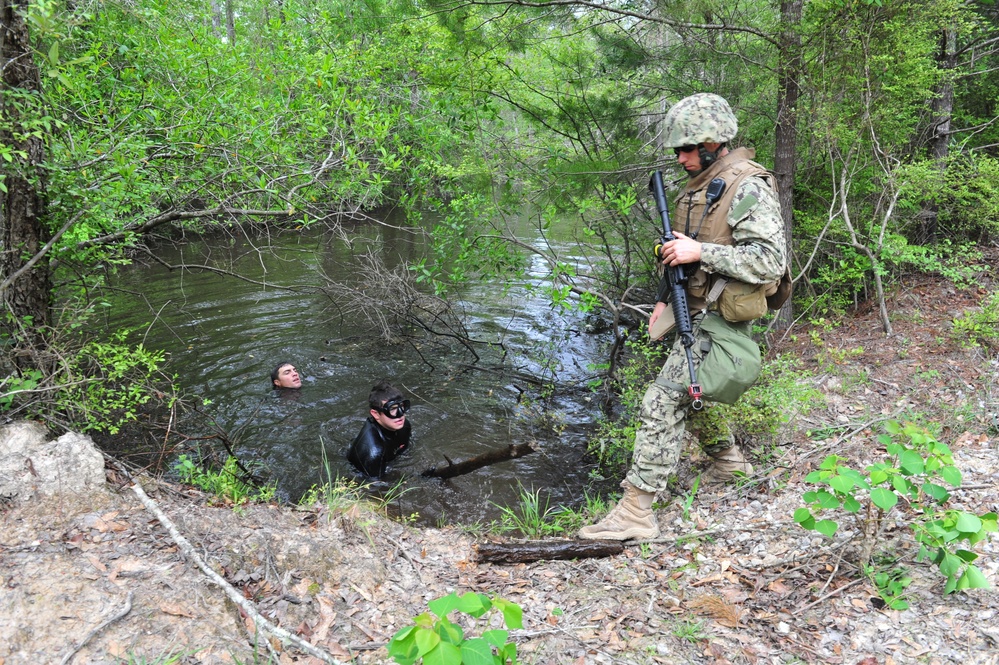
<point x="682" y="250"/>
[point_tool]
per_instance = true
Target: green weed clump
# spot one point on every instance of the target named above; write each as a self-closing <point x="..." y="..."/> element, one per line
<point x="780" y="394"/>
<point x="228" y="483"/>
<point x="533" y="517"/>
<point x="95" y="386"/>
<point x="614" y="439"/>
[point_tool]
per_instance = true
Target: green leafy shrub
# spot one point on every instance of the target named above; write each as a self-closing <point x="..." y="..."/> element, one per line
<point x="979" y="328"/>
<point x="916" y="466"/>
<point x="891" y="581"/>
<point x="88" y="384"/>
<point x="117" y="382"/>
<point x="13" y="385"/>
<point x="436" y="639"/>
<point x="779" y="395"/>
<point x="614" y="438"/>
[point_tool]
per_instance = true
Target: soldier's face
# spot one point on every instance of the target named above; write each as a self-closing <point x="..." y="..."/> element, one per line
<point x="688" y="158"/>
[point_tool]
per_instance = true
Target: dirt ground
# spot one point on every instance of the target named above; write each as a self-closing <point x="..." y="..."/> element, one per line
<point x="732" y="579"/>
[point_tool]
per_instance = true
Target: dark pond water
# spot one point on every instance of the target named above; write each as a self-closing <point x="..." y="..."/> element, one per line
<point x="224" y="335"/>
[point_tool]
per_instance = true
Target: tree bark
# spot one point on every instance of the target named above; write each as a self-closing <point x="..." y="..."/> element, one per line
<point x="789" y="66"/>
<point x="22" y="207"/>
<point x="943" y="111"/>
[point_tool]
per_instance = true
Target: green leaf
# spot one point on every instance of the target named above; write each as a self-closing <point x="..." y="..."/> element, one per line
<point x="951" y="475"/>
<point x="803" y="516"/>
<point x="477" y="651"/>
<point x="512" y="613"/>
<point x="966" y="556"/>
<point x="851" y="505"/>
<point x="883" y="499"/>
<point x="968" y="523"/>
<point x="950" y="564"/>
<point x="474" y="604"/>
<point x="972" y="579"/>
<point x="938" y="492"/>
<point x="450" y="632"/>
<point x="842" y="484"/>
<point x="443" y="654"/>
<point x="426" y="641"/>
<point x="910" y="462"/>
<point x="402" y="647"/>
<point x="827" y="499"/>
<point x="496" y="637"/>
<point x="444" y="605"/>
<point x="826" y="527"/>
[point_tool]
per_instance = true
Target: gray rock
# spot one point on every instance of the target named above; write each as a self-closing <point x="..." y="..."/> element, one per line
<point x="31" y="465"/>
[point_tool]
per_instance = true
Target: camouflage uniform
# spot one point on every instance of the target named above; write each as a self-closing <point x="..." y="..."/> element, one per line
<point x="757" y="256"/>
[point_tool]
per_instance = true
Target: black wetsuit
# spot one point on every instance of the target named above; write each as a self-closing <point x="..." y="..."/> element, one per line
<point x="376" y="446"/>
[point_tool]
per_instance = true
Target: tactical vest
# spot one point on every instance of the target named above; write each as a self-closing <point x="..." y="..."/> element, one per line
<point x="711" y="225"/>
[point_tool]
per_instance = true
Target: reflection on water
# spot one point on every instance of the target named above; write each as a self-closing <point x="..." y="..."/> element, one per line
<point x="224" y="335"/>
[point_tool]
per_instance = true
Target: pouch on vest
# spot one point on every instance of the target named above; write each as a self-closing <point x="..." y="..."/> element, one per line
<point x="781" y="290"/>
<point x="733" y="362"/>
<point x="740" y="301"/>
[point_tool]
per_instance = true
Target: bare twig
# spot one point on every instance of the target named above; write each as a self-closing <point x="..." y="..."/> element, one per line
<point x="125" y="609"/>
<point x="830" y="595"/>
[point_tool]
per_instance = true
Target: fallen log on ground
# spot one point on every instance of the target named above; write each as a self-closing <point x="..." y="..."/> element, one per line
<point x="513" y="451"/>
<point x="546" y="550"/>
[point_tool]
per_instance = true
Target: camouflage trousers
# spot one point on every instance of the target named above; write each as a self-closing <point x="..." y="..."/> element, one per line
<point x="662" y="419"/>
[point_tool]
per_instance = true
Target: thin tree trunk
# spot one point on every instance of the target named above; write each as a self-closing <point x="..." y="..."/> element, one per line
<point x="786" y="133"/>
<point x="22" y="207"/>
<point x="230" y="22"/>
<point x="943" y="111"/>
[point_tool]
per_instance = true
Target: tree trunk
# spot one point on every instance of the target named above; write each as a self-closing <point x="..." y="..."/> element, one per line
<point x="230" y="22"/>
<point x="943" y="111"/>
<point x="22" y="207"/>
<point x="786" y="134"/>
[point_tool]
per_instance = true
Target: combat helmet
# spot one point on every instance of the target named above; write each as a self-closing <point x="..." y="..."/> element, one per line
<point x="700" y="118"/>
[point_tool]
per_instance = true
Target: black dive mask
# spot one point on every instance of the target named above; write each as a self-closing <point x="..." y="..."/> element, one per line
<point x="395" y="408"/>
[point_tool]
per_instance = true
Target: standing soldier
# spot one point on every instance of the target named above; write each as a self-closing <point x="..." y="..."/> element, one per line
<point x="732" y="247"/>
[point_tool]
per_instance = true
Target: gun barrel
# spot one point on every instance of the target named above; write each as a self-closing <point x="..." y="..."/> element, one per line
<point x="672" y="285"/>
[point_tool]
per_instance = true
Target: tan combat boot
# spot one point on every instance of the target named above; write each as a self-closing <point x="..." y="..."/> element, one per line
<point x="724" y="465"/>
<point x="632" y="517"/>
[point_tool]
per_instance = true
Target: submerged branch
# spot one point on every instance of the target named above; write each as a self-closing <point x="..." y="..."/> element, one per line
<point x="513" y="451"/>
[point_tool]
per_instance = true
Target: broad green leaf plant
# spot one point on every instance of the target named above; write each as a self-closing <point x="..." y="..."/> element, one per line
<point x="915" y="472"/>
<point x="436" y="639"/>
